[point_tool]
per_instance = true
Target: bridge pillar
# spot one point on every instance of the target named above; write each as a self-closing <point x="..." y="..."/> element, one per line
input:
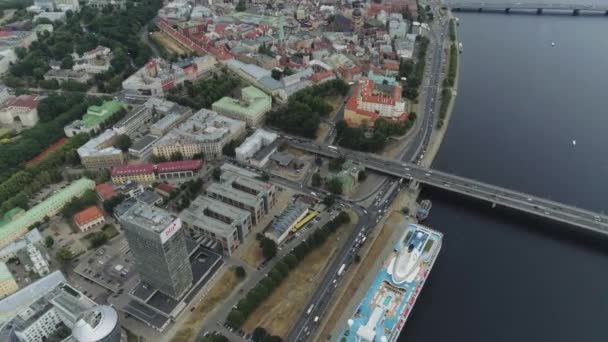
<point x="457" y="9"/>
<point x="575" y="12"/>
<point x="507" y="10"/>
<point x="606" y="13"/>
<point x="539" y="11"/>
<point x="480" y="9"/>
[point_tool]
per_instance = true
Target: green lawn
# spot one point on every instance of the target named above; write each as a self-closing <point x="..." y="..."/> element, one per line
<point x="428" y="246"/>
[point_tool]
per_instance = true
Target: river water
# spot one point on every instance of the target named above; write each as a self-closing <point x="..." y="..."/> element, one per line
<point x="501" y="275"/>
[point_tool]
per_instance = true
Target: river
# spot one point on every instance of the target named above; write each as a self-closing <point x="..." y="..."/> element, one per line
<point x="501" y="275"/>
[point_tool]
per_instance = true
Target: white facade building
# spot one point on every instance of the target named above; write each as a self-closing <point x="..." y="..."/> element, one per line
<point x="204" y="132"/>
<point x="255" y="143"/>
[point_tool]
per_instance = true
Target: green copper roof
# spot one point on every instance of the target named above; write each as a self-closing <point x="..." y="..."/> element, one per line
<point x="98" y="114"/>
<point x="256" y="100"/>
<point x="5" y="274"/>
<point x="17" y="227"/>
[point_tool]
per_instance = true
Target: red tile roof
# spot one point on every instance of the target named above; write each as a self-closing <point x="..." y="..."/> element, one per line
<point x="131" y="170"/>
<point x="177" y="166"/>
<point x="105" y="191"/>
<point x="87" y="215"/>
<point x="166" y="188"/>
<point x="26" y="101"/>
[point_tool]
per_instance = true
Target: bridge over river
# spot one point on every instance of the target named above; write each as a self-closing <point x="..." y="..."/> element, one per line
<point x="538" y="206"/>
<point x="507" y="7"/>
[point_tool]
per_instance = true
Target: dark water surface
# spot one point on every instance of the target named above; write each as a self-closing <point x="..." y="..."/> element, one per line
<point x="503" y="276"/>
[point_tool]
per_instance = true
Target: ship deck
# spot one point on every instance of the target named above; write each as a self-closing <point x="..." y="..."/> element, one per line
<point x="386" y="305"/>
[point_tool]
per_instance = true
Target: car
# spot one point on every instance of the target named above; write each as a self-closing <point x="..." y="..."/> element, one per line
<point x="529" y="199"/>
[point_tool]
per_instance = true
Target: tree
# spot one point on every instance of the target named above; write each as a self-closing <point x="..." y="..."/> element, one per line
<point x="362" y="176"/>
<point x="269" y="248"/>
<point x="405" y="210"/>
<point x="235" y="318"/>
<point x="49" y="242"/>
<point x="259" y="334"/>
<point x="239" y="271"/>
<point x="67" y="62"/>
<point x="64" y="255"/>
<point x="123" y="142"/>
<point x="329" y="200"/>
<point x="98" y="239"/>
<point x="334" y="185"/>
<point x="357" y="258"/>
<point x="291" y="260"/>
<point x="276" y="74"/>
<point x="175" y="156"/>
<point x="316" y="179"/>
<point x="264" y="177"/>
<point x="241" y="6"/>
<point x="217" y="172"/>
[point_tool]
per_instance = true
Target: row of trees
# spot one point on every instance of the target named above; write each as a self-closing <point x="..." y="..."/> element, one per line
<point x="448" y="83"/>
<point x="261" y="335"/>
<point x="452" y="30"/>
<point x="55" y="112"/>
<point x="255" y="297"/>
<point x="87" y="199"/>
<point x="303" y="113"/>
<point x="203" y="93"/>
<point x="414" y="72"/>
<point x="21" y="185"/>
<point x="360" y="138"/>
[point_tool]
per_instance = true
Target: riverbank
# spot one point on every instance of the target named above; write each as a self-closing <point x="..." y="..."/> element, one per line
<point x="359" y="278"/>
<point x="438" y="133"/>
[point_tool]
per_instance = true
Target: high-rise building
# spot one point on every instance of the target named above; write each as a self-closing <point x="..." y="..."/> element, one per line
<point x="158" y="244"/>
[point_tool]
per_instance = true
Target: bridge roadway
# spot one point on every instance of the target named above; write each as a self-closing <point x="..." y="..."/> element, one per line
<point x="455" y="5"/>
<point x="494" y="194"/>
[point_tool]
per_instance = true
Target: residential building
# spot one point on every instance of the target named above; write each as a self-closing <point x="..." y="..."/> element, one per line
<point x="178" y="170"/>
<point x="36" y="312"/>
<point x="34" y="259"/>
<point x="216" y="221"/>
<point x="257" y="148"/>
<point x="404" y="47"/>
<point x="105" y="3"/>
<point x="134" y="120"/>
<point x="8" y="285"/>
<point x="154" y="79"/>
<point x="239" y="199"/>
<point x="99" y="152"/>
<point x="251" y="108"/>
<point x="371" y="101"/>
<point x="22" y="109"/>
<point x="204" y="132"/>
<point x="13" y="230"/>
<point x="149" y="197"/>
<point x="281" y="227"/>
<point x="105" y="191"/>
<point x="94" y="118"/>
<point x="175" y="11"/>
<point x="95" y="61"/>
<point x="140" y="173"/>
<point x="62" y="75"/>
<point x="243" y="180"/>
<point x="158" y="244"/>
<point x="142" y="147"/>
<point x="89" y="218"/>
<point x="159" y="76"/>
<point x="11" y="251"/>
<point x="397" y="27"/>
<point x="45" y="5"/>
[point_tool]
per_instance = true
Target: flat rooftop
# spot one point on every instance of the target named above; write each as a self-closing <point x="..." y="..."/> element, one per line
<point x="196" y="214"/>
<point x="148" y="217"/>
<point x="226" y="190"/>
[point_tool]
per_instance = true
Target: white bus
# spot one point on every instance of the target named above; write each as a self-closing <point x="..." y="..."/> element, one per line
<point x="332" y="147"/>
<point x="341" y="270"/>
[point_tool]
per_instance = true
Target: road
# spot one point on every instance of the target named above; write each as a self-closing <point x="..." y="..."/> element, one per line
<point x="305" y="325"/>
<point x="578" y="217"/>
